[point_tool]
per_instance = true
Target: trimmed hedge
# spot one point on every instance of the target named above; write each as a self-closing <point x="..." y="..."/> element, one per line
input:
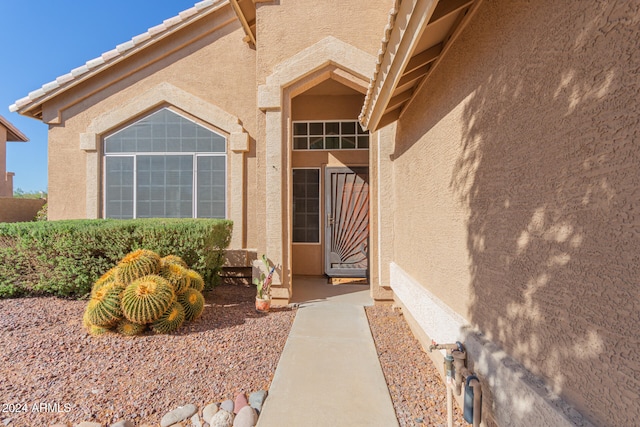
<point x="64" y="258"/>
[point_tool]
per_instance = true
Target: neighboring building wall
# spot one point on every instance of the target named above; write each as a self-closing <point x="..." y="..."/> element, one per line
<point x="515" y="178"/>
<point x="6" y="179"/>
<point x="19" y="210"/>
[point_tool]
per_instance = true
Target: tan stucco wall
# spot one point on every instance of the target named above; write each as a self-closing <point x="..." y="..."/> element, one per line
<point x="515" y="175"/>
<point x="289" y="26"/>
<point x="207" y="60"/>
<point x="316" y="107"/>
<point x="19" y="210"/>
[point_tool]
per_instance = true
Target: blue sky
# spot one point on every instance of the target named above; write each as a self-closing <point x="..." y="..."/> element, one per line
<point x="44" y="39"/>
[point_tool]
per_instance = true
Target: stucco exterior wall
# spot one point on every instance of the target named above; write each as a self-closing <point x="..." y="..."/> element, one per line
<point x="289" y="26"/>
<point x="19" y="210"/>
<point x="524" y="143"/>
<point x="207" y="60"/>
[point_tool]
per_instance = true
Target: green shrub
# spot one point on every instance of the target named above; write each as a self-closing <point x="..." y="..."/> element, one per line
<point x="64" y="258"/>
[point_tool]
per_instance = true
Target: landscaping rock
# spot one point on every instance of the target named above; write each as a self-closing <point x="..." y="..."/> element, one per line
<point x="240" y="402"/>
<point x="195" y="421"/>
<point x="88" y="424"/>
<point x="123" y="423"/>
<point x="222" y="418"/>
<point x="256" y="399"/>
<point x="246" y="417"/>
<point x="209" y="411"/>
<point x="227" y="405"/>
<point x="7" y="421"/>
<point x="181" y="413"/>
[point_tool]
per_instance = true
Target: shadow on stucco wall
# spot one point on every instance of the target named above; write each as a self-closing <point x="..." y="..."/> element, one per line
<point x="547" y="174"/>
<point x="550" y="172"/>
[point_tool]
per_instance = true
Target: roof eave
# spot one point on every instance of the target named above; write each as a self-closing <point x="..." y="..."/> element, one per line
<point x="407" y="20"/>
<point x="401" y="71"/>
<point x="13" y="134"/>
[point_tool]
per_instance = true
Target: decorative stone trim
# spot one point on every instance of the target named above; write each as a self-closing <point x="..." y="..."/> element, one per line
<point x="239" y="142"/>
<point x="269" y="98"/>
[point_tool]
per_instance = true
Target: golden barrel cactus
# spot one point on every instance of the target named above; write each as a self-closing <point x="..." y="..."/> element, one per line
<point x="146" y="299"/>
<point x="136" y="264"/>
<point x="173" y="259"/>
<point x="193" y="303"/>
<point x="104" y="306"/>
<point x="105" y="279"/>
<point x="169" y="321"/>
<point x="195" y="280"/>
<point x="128" y="328"/>
<point x="177" y="276"/>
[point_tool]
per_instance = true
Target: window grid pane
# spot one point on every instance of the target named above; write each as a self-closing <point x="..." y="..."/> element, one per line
<point x="338" y="135"/>
<point x="119" y="187"/>
<point x="306" y="206"/>
<point x="165" y="186"/>
<point x="164" y="131"/>
<point x="211" y="179"/>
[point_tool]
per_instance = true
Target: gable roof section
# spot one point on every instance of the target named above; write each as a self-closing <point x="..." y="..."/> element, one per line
<point x="13" y="134"/>
<point x="31" y="105"/>
<point x="417" y="36"/>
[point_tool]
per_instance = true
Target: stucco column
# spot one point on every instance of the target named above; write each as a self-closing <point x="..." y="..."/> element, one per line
<point x="381" y="238"/>
<point x="238" y="144"/>
<point x="270" y="101"/>
<point x="273" y="190"/>
<point x="89" y="144"/>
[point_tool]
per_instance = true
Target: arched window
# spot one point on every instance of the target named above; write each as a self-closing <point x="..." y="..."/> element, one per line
<point x="165" y="166"/>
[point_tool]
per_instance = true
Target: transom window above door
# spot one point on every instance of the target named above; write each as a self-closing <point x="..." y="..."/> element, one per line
<point x="165" y="166"/>
<point x="335" y="135"/>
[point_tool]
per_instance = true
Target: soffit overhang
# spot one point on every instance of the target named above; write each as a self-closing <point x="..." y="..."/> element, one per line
<point x="13" y="134"/>
<point x="417" y="36"/>
<point x="32" y="104"/>
<point x="246" y="12"/>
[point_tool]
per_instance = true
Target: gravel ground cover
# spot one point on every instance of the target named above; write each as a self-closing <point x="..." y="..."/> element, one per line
<point x="52" y="371"/>
<point x="417" y="392"/>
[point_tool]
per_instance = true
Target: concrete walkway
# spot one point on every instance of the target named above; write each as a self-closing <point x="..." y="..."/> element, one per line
<point x="329" y="373"/>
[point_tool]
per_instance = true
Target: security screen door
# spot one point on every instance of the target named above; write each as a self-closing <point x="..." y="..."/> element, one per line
<point x="347" y="221"/>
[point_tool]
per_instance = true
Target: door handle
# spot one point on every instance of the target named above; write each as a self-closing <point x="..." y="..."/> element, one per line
<point x="330" y="220"/>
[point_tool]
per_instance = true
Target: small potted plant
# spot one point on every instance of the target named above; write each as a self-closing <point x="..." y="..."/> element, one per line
<point x="263" y="287"/>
